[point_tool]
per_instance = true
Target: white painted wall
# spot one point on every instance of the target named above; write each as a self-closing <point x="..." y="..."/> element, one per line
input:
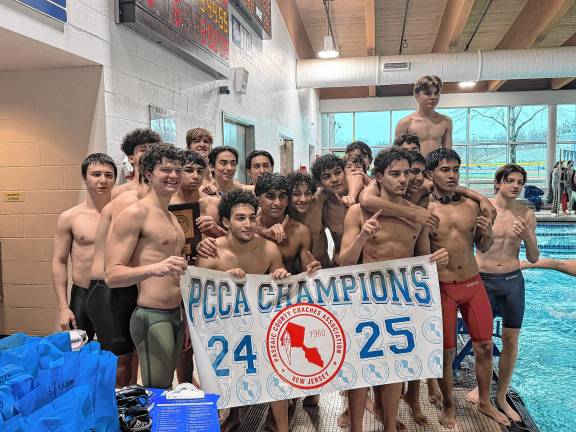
<point x="50" y="119"/>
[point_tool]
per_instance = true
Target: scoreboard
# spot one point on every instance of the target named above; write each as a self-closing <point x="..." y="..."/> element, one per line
<point x="258" y="13"/>
<point x="196" y="30"/>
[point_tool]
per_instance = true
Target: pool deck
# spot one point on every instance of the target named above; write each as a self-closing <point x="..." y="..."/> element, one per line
<point x="547" y="216"/>
<point x="324" y="417"/>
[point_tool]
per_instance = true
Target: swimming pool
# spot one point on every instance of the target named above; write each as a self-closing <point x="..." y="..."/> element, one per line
<point x="545" y="375"/>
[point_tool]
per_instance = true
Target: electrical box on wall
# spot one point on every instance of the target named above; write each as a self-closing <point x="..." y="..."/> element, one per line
<point x="241" y="80"/>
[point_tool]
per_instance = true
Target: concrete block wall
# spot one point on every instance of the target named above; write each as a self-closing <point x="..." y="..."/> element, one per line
<point x="51" y="119"/>
<point x="48" y="124"/>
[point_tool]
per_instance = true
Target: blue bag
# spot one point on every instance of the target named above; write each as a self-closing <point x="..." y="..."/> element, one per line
<point x="70" y="412"/>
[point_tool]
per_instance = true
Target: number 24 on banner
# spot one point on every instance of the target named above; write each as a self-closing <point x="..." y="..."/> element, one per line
<point x="244" y="349"/>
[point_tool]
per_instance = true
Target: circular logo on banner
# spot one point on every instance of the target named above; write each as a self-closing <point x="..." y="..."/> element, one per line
<point x="277" y="388"/>
<point x="362" y="310"/>
<point x="409" y="369"/>
<point x="243" y="323"/>
<point x="432" y="329"/>
<point x="225" y="395"/>
<point x="435" y="360"/>
<point x="346" y="378"/>
<point x="306" y="345"/>
<point x="248" y="389"/>
<point x="376" y="373"/>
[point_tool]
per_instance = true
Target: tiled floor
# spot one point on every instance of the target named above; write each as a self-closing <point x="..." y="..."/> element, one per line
<point x="323" y="418"/>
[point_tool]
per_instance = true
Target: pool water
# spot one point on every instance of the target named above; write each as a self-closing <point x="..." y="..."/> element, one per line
<point x="545" y="374"/>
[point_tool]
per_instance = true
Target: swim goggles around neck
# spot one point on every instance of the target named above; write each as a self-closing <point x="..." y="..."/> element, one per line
<point x="446" y="199"/>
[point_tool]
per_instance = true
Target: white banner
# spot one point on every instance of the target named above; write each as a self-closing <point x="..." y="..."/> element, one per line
<point x="260" y="340"/>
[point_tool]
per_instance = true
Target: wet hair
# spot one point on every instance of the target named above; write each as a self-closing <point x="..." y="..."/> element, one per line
<point x="233" y="198"/>
<point x="194" y="158"/>
<point x="157" y="154"/>
<point x="362" y="147"/>
<point x="357" y="159"/>
<point x="137" y="137"/>
<point x="426" y="82"/>
<point x="98" y="159"/>
<point x="298" y="178"/>
<point x="257" y="153"/>
<point x="213" y="155"/>
<point x="198" y="134"/>
<point x="417" y="157"/>
<point x="438" y="155"/>
<point x="408" y="139"/>
<point x="324" y="163"/>
<point x="385" y="158"/>
<point x="504" y="171"/>
<point x="270" y="181"/>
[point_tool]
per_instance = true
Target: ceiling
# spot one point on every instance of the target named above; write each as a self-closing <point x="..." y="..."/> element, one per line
<point x="366" y="27"/>
<point x="18" y="52"/>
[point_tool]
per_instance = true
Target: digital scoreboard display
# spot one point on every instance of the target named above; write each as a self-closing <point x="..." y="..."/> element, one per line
<point x="258" y="14"/>
<point x="196" y="30"/>
<point x="203" y="21"/>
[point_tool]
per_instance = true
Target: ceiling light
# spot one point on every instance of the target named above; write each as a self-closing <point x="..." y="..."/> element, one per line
<point x="467" y="84"/>
<point x="329" y="50"/>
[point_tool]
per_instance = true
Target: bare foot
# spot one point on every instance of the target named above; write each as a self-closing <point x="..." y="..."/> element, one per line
<point x="472" y="397"/>
<point x="491" y="411"/>
<point x="434" y="393"/>
<point x="372" y="409"/>
<point x="447" y="417"/>
<point x="400" y="427"/>
<point x="417" y="414"/>
<point x="509" y="411"/>
<point x="344" y="419"/>
<point x="311" y="401"/>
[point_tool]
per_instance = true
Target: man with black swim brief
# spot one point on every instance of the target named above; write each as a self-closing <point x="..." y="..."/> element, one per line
<point x="500" y="270"/>
<point x="110" y="310"/>
<point x="461" y="227"/>
<point x="74" y="240"/>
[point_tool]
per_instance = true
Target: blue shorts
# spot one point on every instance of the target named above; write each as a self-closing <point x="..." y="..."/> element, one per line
<point x="506" y="294"/>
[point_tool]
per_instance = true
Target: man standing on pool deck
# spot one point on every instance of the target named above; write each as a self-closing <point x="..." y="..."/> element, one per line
<point x="432" y="128"/>
<point x="74" y="239"/>
<point x="461" y="228"/>
<point x="134" y="144"/>
<point x="500" y="271"/>
<point x="144" y="247"/>
<point x="242" y="252"/>
<point x="370" y="237"/>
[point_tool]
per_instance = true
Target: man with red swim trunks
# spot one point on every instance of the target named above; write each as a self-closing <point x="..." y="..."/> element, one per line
<point x="461" y="227"/>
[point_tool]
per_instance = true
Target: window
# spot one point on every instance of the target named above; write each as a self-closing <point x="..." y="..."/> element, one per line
<point x="373" y="128"/>
<point x="484" y="137"/>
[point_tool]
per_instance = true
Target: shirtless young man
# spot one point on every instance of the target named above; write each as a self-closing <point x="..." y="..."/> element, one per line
<point x="134" y="144"/>
<point x="223" y="161"/>
<point x="305" y="205"/>
<point x="144" y="248"/>
<point x="500" y="271"/>
<point x="293" y="237"/>
<point x="433" y="128"/>
<point x="371" y="238"/>
<point x="74" y="240"/>
<point x="461" y="228"/>
<point x="242" y="252"/>
<point x="197" y="214"/>
<point x="259" y="162"/>
<point x="200" y="140"/>
<point x="110" y="310"/>
<point x="328" y="171"/>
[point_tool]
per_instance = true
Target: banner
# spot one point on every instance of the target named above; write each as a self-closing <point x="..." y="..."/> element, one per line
<point x="258" y="340"/>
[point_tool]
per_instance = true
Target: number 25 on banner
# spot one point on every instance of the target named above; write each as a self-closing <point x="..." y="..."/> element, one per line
<point x="244" y="349"/>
